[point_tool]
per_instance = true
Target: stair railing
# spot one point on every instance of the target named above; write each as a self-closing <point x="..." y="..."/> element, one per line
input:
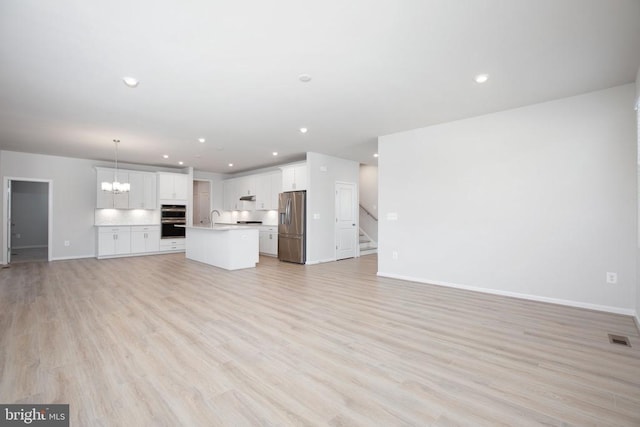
<point x="368" y="213"/>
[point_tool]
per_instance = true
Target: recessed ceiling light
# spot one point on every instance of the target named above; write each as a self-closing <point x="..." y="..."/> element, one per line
<point x="165" y="156"/>
<point x="375" y="154"/>
<point x="230" y="165"/>
<point x="201" y="140"/>
<point x="304" y="78"/>
<point x="481" y="78"/>
<point x="275" y="153"/>
<point x="130" y="81"/>
<point x="303" y="130"/>
<point x="181" y="163"/>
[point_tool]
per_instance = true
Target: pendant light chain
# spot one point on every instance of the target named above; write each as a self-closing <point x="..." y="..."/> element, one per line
<point x="115" y="174"/>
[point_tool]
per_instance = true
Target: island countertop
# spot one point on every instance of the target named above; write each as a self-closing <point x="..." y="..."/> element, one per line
<point x="220" y="227"/>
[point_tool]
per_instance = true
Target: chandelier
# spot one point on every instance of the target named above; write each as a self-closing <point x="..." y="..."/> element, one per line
<point x="116" y="186"/>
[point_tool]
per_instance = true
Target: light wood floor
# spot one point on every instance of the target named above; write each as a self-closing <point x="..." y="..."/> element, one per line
<point x="160" y="340"/>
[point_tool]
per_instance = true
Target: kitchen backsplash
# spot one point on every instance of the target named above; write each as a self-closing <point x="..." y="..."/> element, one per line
<point x="267" y="217"/>
<point x="126" y="216"/>
<point x="144" y="216"/>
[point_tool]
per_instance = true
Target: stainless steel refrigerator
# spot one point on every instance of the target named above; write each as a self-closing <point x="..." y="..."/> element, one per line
<point x="292" y="226"/>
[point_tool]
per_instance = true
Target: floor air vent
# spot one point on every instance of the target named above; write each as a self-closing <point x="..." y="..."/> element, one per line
<point x="619" y="339"/>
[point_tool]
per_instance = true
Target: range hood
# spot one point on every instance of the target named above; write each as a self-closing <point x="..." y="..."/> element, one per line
<point x="248" y="198"/>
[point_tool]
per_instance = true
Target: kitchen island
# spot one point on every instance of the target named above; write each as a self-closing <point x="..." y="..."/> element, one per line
<point x="230" y="247"/>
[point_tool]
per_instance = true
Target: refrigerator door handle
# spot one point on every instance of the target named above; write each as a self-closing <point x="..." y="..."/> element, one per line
<point x="288" y="211"/>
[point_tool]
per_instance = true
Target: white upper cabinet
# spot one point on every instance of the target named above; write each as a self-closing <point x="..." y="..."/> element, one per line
<point x="143" y="190"/>
<point x="230" y="196"/>
<point x="263" y="192"/>
<point x="276" y="188"/>
<point x="172" y="186"/>
<point x="294" y="177"/>
<point x="235" y="188"/>
<point x="142" y="193"/>
<point x="246" y="186"/>
<point x="265" y="187"/>
<point x="268" y="186"/>
<point x="107" y="199"/>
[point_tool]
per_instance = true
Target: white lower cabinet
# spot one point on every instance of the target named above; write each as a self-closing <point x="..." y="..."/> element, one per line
<point x="119" y="241"/>
<point x="114" y="241"/>
<point x="268" y="241"/>
<point x="172" y="245"/>
<point x="145" y="238"/>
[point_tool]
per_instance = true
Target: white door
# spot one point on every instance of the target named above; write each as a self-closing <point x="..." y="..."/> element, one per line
<point x="346" y="220"/>
<point x="201" y="202"/>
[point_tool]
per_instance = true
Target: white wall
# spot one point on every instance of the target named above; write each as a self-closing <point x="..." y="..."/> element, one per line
<point x="74" y="199"/>
<point x="322" y="174"/>
<point x="30" y="205"/>
<point x="538" y="201"/>
<point x="369" y="199"/>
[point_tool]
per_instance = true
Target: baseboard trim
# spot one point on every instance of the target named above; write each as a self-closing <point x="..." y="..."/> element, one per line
<point x="569" y="303"/>
<point x="637" y="320"/>
<point x="320" y="261"/>
<point x="67" y="258"/>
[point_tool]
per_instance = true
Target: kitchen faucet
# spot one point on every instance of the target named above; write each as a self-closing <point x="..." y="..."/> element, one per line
<point x="211" y="219"/>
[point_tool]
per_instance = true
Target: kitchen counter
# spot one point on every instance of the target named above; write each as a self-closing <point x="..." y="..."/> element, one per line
<point x="228" y="227"/>
<point x="231" y="247"/>
<point x="126" y="225"/>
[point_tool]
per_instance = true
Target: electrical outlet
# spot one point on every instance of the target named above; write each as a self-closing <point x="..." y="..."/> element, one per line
<point x="612" y="278"/>
<point x="67" y="243"/>
<point x="394" y="254"/>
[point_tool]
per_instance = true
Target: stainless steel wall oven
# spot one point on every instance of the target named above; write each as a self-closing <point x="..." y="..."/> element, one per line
<point x="170" y="216"/>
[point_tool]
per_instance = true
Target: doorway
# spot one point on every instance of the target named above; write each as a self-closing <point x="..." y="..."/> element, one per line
<point x="346" y="220"/>
<point x="201" y="202"/>
<point x="28" y="220"/>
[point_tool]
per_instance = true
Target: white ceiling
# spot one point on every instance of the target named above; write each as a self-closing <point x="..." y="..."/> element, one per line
<point x="228" y="71"/>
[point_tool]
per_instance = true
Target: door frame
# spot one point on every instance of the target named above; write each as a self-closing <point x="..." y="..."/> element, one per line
<point x="356" y="200"/>
<point x="5" y="215"/>
<point x="193" y="196"/>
